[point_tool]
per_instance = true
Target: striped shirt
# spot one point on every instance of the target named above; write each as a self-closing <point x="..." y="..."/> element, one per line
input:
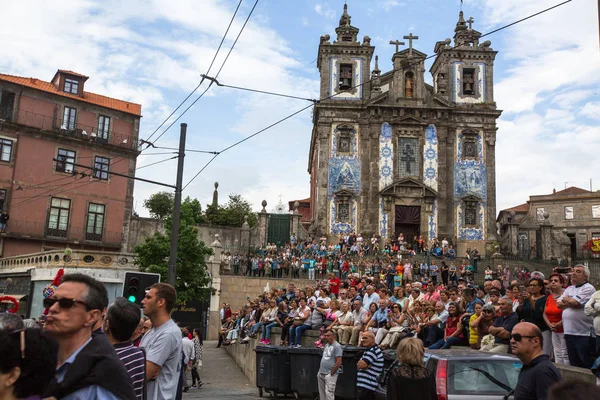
<point x="135" y="363"/>
<point x="367" y="378"/>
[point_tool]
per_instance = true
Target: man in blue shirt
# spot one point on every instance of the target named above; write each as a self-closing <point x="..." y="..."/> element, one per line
<point x="84" y="361"/>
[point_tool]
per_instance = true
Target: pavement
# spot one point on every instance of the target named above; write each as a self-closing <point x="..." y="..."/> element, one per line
<point x="221" y="378"/>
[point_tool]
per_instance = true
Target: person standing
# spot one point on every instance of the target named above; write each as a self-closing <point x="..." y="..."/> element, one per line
<point x="162" y="343"/>
<point x="122" y="319"/>
<point x="369" y="367"/>
<point x="532" y="310"/>
<point x="553" y="318"/>
<point x="329" y="368"/>
<point x="198" y="346"/>
<point x="84" y="361"/>
<point x="411" y="380"/>
<point x="189" y="355"/>
<point x="4" y="217"/>
<point x="579" y="333"/>
<point x="538" y="372"/>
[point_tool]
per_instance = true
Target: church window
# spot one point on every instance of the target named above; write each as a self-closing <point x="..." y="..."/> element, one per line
<point x="344" y="145"/>
<point x="409" y="84"/>
<point x="470" y="145"/>
<point x="470" y="213"/>
<point x="468" y="81"/>
<point x="409" y="159"/>
<point x="343" y="211"/>
<point x="345" y="77"/>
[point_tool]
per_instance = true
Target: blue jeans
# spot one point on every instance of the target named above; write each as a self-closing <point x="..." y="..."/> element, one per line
<point x="296" y="333"/>
<point x="581" y="350"/>
<point x="254" y="328"/>
<point x="266" y="333"/>
<point x="445" y="344"/>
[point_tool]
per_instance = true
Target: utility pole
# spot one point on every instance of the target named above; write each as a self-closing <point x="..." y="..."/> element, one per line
<point x="177" y="208"/>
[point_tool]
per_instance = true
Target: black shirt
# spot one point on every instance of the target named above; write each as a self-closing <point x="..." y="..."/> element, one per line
<point x="535" y="379"/>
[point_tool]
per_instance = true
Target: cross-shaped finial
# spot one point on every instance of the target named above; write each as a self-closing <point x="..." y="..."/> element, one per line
<point x="410" y="38"/>
<point x="470" y="21"/>
<point x="397" y="43"/>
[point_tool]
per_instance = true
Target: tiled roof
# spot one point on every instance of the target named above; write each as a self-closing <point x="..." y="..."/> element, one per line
<point x="572" y="190"/>
<point x="66" y="71"/>
<point x="88" y="97"/>
<point x="520" y="208"/>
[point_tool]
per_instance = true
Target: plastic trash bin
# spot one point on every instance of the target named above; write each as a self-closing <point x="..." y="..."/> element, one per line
<point x="273" y="370"/>
<point x="305" y="363"/>
<point x="346" y="383"/>
<point x="389" y="356"/>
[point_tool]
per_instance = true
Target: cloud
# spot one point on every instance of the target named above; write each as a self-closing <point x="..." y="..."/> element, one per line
<point x="305" y="21"/>
<point x="387" y="5"/>
<point x="324" y="10"/>
<point x="591" y="110"/>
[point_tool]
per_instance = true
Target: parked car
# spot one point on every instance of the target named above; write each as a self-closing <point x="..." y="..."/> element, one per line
<point x="469" y="374"/>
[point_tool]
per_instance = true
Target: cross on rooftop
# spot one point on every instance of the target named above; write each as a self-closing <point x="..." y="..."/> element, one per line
<point x="397" y="43"/>
<point x="410" y="38"/>
<point x="470" y="21"/>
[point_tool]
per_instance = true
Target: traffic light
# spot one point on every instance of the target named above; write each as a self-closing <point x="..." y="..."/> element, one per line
<point x="136" y="284"/>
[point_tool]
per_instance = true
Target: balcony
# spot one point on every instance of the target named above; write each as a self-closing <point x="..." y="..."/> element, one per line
<point x="79" y="131"/>
<point x="37" y="230"/>
<point x="77" y="259"/>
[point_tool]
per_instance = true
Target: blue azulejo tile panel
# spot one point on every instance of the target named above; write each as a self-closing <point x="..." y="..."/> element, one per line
<point x="386" y="156"/>
<point x="470" y="178"/>
<point x="470" y="233"/>
<point x="337" y="227"/>
<point x="344" y="174"/>
<point x="432" y="223"/>
<point x="335" y="140"/>
<point x="383" y="220"/>
<point x="430" y="158"/>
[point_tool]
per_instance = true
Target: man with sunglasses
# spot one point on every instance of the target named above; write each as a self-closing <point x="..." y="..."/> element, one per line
<point x="538" y="372"/>
<point x="84" y="361"/>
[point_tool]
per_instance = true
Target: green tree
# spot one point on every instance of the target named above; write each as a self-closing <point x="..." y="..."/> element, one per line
<point x="160" y="204"/>
<point x="192" y="277"/>
<point x="233" y="213"/>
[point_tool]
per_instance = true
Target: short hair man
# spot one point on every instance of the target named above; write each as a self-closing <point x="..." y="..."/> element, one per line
<point x="84" y="361"/>
<point x="122" y="320"/>
<point x="162" y="343"/>
<point x="329" y="367"/>
<point x="503" y="326"/>
<point x="581" y="345"/>
<point x="538" y="372"/>
<point x="369" y="367"/>
<point x="358" y="315"/>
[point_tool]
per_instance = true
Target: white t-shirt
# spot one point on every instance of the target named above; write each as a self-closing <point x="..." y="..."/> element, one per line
<point x="575" y="322"/>
<point x="163" y="347"/>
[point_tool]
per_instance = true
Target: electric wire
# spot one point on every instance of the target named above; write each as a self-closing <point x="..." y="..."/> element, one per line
<point x="157" y="162"/>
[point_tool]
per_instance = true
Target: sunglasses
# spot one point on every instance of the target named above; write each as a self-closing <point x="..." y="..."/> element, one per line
<point x="517" y="337"/>
<point x="64" y="303"/>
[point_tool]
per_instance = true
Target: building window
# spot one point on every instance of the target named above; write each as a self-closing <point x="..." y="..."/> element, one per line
<point x="468" y="81"/>
<point x="5" y="149"/>
<point x="345" y="77"/>
<point x="408" y="157"/>
<point x="58" y="219"/>
<point x="2" y="199"/>
<point x="539" y="214"/>
<point x="471" y="213"/>
<point x="569" y="213"/>
<point x="95" y="222"/>
<point x="470" y="146"/>
<point x="596" y="211"/>
<point x="69" y="116"/>
<point x="343" y="211"/>
<point x="66" y="159"/>
<point x="101" y="165"/>
<point x="71" y="86"/>
<point x="344" y="144"/>
<point x="103" y="127"/>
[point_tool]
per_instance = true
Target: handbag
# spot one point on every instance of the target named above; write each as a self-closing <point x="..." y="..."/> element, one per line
<point x="298" y="322"/>
<point x="488" y="342"/>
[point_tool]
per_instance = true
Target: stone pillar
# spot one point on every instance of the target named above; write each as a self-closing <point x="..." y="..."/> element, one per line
<point x="513" y="235"/>
<point x="263" y="222"/>
<point x="214" y="265"/>
<point x="546" y="240"/>
<point x="245" y="238"/>
<point x="295" y="221"/>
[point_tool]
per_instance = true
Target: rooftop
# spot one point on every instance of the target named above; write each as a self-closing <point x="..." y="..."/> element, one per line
<point x="88" y="97"/>
<point x="520" y="208"/>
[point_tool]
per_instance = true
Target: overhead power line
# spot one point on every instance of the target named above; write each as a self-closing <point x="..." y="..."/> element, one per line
<point x="361" y="84"/>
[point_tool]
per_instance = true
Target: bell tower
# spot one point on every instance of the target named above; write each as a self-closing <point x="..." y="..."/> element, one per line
<point x="345" y="63"/>
<point x="463" y="73"/>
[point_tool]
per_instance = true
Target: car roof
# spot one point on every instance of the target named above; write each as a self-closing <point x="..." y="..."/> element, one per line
<point x="469" y="354"/>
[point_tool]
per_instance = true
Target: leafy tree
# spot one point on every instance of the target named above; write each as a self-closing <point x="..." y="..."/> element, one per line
<point x="233" y="213"/>
<point x="192" y="277"/>
<point x="160" y="204"/>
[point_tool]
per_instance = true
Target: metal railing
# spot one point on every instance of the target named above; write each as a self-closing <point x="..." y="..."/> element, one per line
<point x="38" y="230"/>
<point x="75" y="130"/>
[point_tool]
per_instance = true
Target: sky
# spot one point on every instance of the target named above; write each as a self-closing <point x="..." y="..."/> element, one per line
<point x="153" y="52"/>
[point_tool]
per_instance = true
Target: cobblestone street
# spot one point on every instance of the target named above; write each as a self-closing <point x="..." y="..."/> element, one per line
<point x="221" y="378"/>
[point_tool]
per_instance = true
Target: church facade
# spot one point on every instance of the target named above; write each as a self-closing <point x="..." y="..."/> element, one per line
<point x="392" y="154"/>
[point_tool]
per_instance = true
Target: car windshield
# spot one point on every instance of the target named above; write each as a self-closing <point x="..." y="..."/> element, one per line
<point x="485" y="376"/>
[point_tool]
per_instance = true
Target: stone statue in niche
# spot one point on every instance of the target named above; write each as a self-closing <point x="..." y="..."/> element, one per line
<point x="408" y="84"/>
